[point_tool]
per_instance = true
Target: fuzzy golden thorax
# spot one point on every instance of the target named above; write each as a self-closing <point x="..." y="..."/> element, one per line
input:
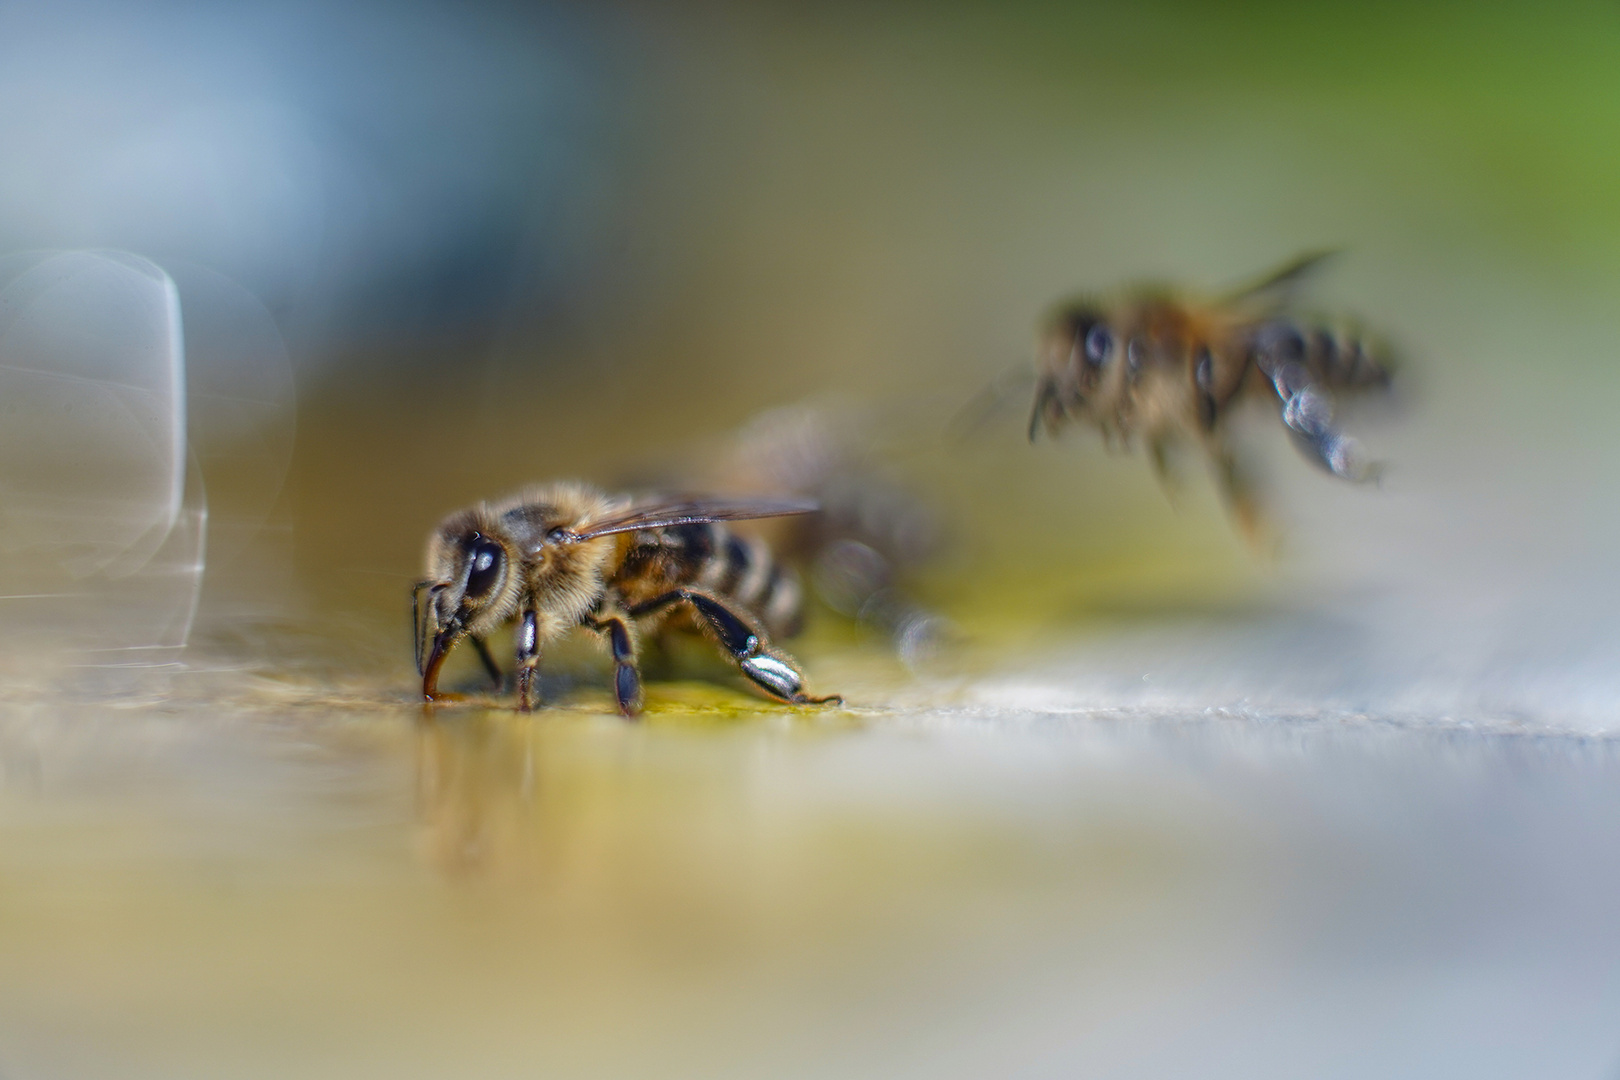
<point x="565" y="579"/>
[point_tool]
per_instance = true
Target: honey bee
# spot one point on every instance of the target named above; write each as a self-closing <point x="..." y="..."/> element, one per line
<point x="567" y="555"/>
<point x="1171" y="369"/>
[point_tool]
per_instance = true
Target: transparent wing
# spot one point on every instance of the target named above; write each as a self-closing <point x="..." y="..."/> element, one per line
<point x="1277" y="288"/>
<point x="663" y="514"/>
<point x="1013" y="384"/>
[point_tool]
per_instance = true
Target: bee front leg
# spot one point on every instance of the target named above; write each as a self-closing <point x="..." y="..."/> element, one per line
<point x="746" y="644"/>
<point x="528" y="660"/>
<point x="626" y="678"/>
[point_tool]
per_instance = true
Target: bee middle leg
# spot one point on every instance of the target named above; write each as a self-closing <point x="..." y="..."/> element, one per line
<point x="1241" y="492"/>
<point x="1161" y="453"/>
<point x="626" y="677"/>
<point x="743" y="641"/>
<point x="528" y="659"/>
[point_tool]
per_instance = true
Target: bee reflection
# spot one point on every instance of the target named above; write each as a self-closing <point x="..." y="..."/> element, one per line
<point x="475" y="790"/>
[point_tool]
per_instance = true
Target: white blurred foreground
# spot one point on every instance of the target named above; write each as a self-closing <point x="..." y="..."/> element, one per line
<point x="109" y="437"/>
<point x="102" y="550"/>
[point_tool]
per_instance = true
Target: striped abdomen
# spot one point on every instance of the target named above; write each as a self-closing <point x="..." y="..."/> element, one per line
<point x="711" y="556"/>
<point x="1338" y="357"/>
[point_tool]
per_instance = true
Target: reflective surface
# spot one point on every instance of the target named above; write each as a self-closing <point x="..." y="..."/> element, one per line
<point x="347" y="888"/>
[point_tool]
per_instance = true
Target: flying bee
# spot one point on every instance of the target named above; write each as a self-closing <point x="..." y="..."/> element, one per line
<point x="567" y="555"/>
<point x="1153" y="363"/>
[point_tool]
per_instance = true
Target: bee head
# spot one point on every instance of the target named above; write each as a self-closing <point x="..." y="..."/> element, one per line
<point x="471" y="588"/>
<point x="1092" y="343"/>
<point x="1078" y="347"/>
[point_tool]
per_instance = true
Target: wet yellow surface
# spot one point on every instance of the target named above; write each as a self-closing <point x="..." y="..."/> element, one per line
<point x="298" y="882"/>
<point x="383" y="892"/>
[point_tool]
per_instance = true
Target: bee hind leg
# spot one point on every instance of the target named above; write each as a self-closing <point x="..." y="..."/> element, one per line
<point x="1307" y="409"/>
<point x="746" y="644"/>
<point x="528" y="660"/>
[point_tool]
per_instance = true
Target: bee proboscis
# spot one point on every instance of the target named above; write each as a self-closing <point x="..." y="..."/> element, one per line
<point x="567" y="556"/>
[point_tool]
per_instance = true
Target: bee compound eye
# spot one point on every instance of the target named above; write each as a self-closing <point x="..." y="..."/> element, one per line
<point x="484" y="560"/>
<point x="1099" y="344"/>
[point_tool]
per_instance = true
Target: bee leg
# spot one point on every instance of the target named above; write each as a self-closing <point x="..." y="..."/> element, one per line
<point x="1159" y="451"/>
<point x="1041" y="415"/>
<point x="1242" y="495"/>
<point x="1204" y="388"/>
<point x="626" y="678"/>
<point x="1307" y="409"/>
<point x="489" y="661"/>
<point x="528" y="660"/>
<point x="771" y="671"/>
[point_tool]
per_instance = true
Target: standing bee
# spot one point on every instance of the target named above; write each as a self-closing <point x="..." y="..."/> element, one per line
<point x="567" y="555"/>
<point x="1154" y="363"/>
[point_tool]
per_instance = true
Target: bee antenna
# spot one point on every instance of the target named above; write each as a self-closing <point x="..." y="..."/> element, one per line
<point x="416" y="622"/>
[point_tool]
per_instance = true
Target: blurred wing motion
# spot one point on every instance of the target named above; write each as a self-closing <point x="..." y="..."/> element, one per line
<point x="877" y="531"/>
<point x="1013" y="384"/>
<point x="691" y="512"/>
<point x="1277" y="288"/>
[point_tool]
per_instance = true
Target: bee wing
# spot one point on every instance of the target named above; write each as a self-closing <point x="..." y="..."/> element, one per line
<point x="661" y="515"/>
<point x="970" y="419"/>
<point x="1277" y="288"/>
